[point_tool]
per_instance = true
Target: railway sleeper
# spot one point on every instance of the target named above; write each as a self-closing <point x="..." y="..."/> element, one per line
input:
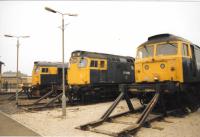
<point x="49" y="104"/>
<point x="132" y="127"/>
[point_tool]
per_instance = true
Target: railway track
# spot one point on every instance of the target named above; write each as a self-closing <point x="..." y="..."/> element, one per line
<point x="7" y="93"/>
<point x="129" y="122"/>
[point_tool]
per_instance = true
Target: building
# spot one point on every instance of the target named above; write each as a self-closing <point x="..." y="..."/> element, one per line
<point x="9" y="80"/>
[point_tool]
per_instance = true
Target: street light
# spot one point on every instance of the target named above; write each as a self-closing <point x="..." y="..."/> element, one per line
<point x="1" y="63"/>
<point x="63" y="70"/>
<point x="17" y="74"/>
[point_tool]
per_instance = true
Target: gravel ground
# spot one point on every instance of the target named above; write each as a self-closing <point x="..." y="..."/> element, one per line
<point x="50" y="122"/>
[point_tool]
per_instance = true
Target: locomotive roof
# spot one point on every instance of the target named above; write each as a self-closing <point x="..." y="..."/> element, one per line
<point x="162" y="38"/>
<point x="100" y="55"/>
<point x="49" y="64"/>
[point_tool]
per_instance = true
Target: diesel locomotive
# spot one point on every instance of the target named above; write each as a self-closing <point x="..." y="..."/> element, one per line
<point x="98" y="75"/>
<point x="171" y="61"/>
<point x="45" y="75"/>
<point x="167" y="79"/>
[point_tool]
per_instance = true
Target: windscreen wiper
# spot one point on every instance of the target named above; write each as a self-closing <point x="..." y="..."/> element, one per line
<point x="145" y="47"/>
<point x="172" y="45"/>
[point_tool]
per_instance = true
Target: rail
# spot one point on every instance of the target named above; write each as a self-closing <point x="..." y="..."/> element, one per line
<point x="133" y="127"/>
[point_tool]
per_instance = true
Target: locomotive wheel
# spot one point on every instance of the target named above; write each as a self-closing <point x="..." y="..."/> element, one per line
<point x="192" y="100"/>
<point x="71" y="97"/>
<point x="83" y="100"/>
<point x="145" y="99"/>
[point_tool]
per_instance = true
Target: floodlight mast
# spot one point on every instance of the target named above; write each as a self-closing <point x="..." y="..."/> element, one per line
<point x="63" y="70"/>
<point x="17" y="67"/>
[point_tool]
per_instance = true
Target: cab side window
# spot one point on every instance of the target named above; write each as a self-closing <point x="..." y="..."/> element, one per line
<point x="82" y="63"/>
<point x="185" y="50"/>
<point x="45" y="70"/>
<point x="37" y="69"/>
<point x="102" y="64"/>
<point x="94" y="63"/>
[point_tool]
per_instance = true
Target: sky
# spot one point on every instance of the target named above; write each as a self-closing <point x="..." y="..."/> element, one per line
<point x="113" y="27"/>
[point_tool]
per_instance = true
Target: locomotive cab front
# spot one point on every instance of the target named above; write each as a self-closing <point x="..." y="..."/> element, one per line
<point x="78" y="70"/>
<point x="35" y="75"/>
<point x="82" y="66"/>
<point x="170" y="64"/>
<point x="161" y="60"/>
<point x="45" y="75"/>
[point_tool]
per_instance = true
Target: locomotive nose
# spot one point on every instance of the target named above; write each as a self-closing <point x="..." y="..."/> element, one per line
<point x="157" y="70"/>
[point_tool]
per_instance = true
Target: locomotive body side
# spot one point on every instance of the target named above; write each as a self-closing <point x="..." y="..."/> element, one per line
<point x="90" y="70"/>
<point x="191" y="65"/>
<point x="98" y="75"/>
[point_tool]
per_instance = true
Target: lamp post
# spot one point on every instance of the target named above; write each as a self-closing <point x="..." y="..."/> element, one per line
<point x="17" y="74"/>
<point x="1" y="63"/>
<point x="63" y="65"/>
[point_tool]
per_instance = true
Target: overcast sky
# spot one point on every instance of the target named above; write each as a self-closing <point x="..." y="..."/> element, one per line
<point x="109" y="27"/>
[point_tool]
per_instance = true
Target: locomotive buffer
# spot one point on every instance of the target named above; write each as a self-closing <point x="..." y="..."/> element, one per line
<point x="130" y="127"/>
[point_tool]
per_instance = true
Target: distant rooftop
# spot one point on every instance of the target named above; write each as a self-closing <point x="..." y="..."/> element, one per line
<point x="13" y="74"/>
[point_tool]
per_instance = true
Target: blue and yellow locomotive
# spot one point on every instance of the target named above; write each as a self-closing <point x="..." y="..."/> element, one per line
<point x="98" y="74"/>
<point x="171" y="61"/>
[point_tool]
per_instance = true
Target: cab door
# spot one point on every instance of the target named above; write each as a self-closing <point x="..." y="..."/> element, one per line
<point x="193" y="62"/>
<point x="94" y="71"/>
<point x="102" y="71"/>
